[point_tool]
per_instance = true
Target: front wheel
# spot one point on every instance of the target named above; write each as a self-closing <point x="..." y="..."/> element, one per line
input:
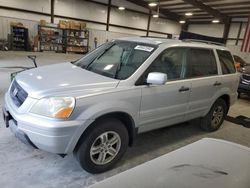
<point x="103" y="146"/>
<point x="215" y="117"/>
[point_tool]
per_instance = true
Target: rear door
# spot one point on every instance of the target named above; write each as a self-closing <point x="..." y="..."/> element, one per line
<point x="202" y="72"/>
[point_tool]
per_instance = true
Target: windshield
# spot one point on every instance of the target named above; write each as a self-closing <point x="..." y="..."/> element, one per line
<point x="118" y="59"/>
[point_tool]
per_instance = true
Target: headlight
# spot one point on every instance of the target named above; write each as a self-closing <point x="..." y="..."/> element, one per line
<point x="54" y="107"/>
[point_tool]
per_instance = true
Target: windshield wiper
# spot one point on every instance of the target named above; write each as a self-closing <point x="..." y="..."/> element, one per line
<point x="118" y="68"/>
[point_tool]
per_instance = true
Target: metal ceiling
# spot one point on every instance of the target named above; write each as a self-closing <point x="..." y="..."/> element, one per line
<point x="203" y="10"/>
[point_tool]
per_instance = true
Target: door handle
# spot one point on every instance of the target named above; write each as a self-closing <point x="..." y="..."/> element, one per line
<point x="217" y="83"/>
<point x="182" y="89"/>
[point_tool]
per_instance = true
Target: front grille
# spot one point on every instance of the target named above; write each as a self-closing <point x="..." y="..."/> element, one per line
<point x="246" y="76"/>
<point x="18" y="94"/>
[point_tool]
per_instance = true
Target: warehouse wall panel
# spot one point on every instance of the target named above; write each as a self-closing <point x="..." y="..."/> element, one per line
<point x="30" y="22"/>
<point x="233" y="30"/>
<point x="35" y="5"/>
<point x="152" y="34"/>
<point x="127" y="32"/>
<point x="213" y="30"/>
<point x="128" y="18"/>
<point x="81" y="9"/>
<point x="164" y="25"/>
<point x="243" y="30"/>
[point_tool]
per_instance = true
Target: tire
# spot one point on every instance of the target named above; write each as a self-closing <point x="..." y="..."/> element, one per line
<point x="94" y="154"/>
<point x="215" y="117"/>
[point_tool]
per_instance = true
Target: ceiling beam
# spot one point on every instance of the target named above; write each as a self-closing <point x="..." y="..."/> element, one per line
<point x="172" y="4"/>
<point x="229" y="4"/>
<point x="234" y="8"/>
<point x="239" y="12"/>
<point x="165" y="12"/>
<point x="200" y="18"/>
<point x="208" y="9"/>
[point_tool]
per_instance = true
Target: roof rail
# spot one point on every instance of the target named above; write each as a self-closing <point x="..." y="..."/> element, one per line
<point x="153" y="37"/>
<point x="203" y="41"/>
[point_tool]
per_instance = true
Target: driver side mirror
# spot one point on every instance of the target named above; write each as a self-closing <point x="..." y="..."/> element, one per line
<point x="156" y="78"/>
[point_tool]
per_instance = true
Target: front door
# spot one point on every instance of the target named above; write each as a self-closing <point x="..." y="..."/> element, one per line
<point x="166" y="104"/>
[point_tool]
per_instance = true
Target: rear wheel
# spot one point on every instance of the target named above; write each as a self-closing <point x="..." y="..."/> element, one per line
<point x="215" y="117"/>
<point x="103" y="146"/>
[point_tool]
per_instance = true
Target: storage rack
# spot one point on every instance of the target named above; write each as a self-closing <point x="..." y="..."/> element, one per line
<point x="19" y="37"/>
<point x="51" y="39"/>
<point x="63" y="39"/>
<point x="77" y="40"/>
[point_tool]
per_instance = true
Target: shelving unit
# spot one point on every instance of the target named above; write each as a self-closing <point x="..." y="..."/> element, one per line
<point x="77" y="40"/>
<point x="63" y="39"/>
<point x="20" y="37"/>
<point x="51" y="39"/>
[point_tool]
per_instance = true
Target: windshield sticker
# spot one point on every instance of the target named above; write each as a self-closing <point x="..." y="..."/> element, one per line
<point x="144" y="48"/>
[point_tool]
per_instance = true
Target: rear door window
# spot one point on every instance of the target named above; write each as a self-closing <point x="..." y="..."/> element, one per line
<point x="226" y="62"/>
<point x="200" y="63"/>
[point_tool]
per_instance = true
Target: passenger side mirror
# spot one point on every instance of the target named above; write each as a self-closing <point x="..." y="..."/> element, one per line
<point x="156" y="78"/>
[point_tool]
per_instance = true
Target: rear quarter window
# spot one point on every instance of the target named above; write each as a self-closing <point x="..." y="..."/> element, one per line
<point x="226" y="62"/>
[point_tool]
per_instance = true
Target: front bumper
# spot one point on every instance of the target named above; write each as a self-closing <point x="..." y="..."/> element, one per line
<point x="12" y="123"/>
<point x="55" y="136"/>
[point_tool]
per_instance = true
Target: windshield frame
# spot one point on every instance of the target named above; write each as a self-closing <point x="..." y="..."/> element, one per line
<point x="102" y="49"/>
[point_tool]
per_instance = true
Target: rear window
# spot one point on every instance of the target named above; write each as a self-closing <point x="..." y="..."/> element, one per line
<point x="226" y="62"/>
<point x="200" y="62"/>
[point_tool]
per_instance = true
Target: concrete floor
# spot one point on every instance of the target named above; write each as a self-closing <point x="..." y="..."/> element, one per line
<point x="23" y="166"/>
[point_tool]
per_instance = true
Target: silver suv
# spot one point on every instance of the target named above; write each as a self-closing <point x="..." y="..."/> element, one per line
<point x="95" y="106"/>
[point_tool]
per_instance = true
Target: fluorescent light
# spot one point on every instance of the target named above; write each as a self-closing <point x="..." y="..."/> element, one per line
<point x="189" y="14"/>
<point x="121" y="8"/>
<point x="155" y="16"/>
<point x="215" y="21"/>
<point x="182" y="21"/>
<point x="152" y="4"/>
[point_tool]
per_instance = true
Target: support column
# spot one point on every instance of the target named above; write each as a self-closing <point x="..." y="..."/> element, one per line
<point x="149" y="20"/>
<point x="52" y="10"/>
<point x="238" y="35"/>
<point x="226" y="30"/>
<point x="108" y="15"/>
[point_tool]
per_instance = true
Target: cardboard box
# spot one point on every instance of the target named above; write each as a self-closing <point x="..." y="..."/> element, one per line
<point x="83" y="25"/>
<point x="74" y="25"/>
<point x="71" y="24"/>
<point x="43" y="22"/>
<point x="67" y="25"/>
<point x="62" y="22"/>
<point x="17" y="24"/>
<point x="61" y="25"/>
<point x="77" y="26"/>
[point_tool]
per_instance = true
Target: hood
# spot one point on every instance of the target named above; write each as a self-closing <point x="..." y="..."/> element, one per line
<point x="64" y="79"/>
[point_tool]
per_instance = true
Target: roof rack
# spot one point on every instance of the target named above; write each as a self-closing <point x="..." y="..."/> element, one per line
<point x="154" y="37"/>
<point x="203" y="41"/>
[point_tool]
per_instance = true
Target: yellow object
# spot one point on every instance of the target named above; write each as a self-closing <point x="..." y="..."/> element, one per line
<point x="237" y="66"/>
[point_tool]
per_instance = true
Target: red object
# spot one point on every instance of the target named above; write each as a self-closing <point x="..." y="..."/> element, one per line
<point x="246" y="44"/>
